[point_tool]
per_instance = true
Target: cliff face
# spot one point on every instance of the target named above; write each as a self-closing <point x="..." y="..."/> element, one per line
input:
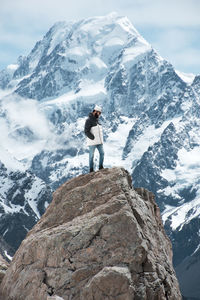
<point x="3" y="267"/>
<point x="98" y="239"/>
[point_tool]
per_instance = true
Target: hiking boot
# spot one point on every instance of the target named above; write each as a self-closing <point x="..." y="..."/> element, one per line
<point x="101" y="167"/>
<point x="91" y="170"/>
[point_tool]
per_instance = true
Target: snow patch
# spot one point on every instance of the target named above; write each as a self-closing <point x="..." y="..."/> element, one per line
<point x="198" y="247"/>
<point x="186" y="77"/>
<point x="186" y="174"/>
<point x="4" y="93"/>
<point x="149" y="136"/>
<point x="187" y="170"/>
<point x="7" y="255"/>
<point x="89" y="88"/>
<point x="183" y="214"/>
<point x="134" y="54"/>
<point x="10" y="162"/>
<point x="12" y="67"/>
<point x="59" y="32"/>
<point x="116" y="142"/>
<point x="32" y="195"/>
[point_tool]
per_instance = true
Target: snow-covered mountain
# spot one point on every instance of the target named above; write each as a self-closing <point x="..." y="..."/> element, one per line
<point x="23" y="199"/>
<point x="151" y="115"/>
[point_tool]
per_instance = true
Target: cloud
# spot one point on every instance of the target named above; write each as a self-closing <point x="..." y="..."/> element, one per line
<point x="25" y="113"/>
<point x="154" y="12"/>
<point x="24" y="116"/>
<point x="18" y="43"/>
<point x="186" y="60"/>
<point x="163" y="13"/>
<point x="180" y="46"/>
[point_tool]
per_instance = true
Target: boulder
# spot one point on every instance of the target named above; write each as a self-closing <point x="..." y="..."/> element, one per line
<point x="98" y="239"/>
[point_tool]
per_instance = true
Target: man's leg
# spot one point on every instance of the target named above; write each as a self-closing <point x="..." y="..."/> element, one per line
<point x="91" y="157"/>
<point x="101" y="155"/>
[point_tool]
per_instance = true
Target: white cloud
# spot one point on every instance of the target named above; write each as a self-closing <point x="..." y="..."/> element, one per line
<point x="25" y="113"/>
<point x="22" y="115"/>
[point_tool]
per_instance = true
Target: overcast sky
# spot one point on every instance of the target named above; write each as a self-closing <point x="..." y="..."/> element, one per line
<point x="172" y="27"/>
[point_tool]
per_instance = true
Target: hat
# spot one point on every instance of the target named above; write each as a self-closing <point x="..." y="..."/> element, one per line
<point x="98" y="108"/>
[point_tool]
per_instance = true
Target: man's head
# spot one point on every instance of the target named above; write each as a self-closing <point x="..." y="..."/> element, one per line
<point x="97" y="111"/>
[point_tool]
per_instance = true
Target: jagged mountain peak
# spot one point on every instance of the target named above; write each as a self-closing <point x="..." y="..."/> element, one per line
<point x="89" y="28"/>
<point x="89" y="46"/>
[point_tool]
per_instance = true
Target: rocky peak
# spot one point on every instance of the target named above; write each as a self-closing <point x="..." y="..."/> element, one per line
<point x="98" y="239"/>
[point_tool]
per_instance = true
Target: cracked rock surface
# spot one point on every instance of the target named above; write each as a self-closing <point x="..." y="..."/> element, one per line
<point x="3" y="267"/>
<point x="98" y="239"/>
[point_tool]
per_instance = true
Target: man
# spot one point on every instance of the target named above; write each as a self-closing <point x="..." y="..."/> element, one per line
<point x="94" y="133"/>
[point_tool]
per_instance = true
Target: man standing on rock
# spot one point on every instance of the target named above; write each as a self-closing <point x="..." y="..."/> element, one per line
<point x="94" y="133"/>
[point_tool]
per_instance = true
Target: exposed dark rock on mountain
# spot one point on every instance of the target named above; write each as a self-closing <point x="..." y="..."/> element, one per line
<point x="23" y="200"/>
<point x="188" y="273"/>
<point x="98" y="239"/>
<point x="6" y="251"/>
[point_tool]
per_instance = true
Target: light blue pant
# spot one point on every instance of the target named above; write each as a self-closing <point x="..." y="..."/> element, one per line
<point x="91" y="155"/>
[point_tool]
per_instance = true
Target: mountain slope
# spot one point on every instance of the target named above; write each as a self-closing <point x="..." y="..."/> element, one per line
<point x="23" y="199"/>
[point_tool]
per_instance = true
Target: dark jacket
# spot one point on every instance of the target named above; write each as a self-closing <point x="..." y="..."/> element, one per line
<point x="93" y="131"/>
<point x="90" y="122"/>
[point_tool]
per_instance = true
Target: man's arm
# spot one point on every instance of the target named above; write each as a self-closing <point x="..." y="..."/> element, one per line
<point x="88" y="126"/>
